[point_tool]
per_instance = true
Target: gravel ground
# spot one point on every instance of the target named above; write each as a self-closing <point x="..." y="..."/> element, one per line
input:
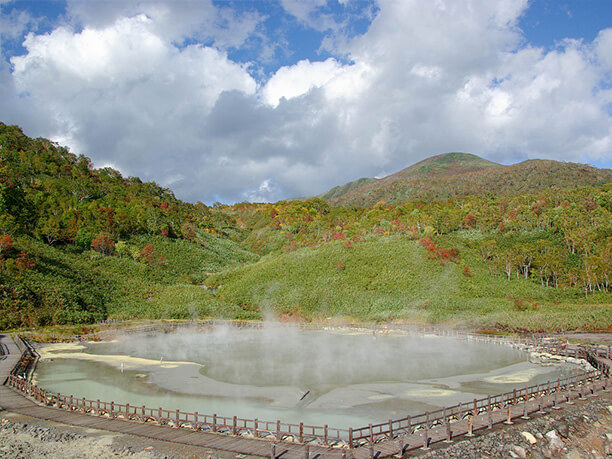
<point x="582" y="430"/>
<point x="26" y="437"/>
<point x="18" y="440"/>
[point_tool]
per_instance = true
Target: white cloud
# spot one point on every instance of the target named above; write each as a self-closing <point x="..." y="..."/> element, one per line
<point x="296" y="80"/>
<point x="426" y="77"/>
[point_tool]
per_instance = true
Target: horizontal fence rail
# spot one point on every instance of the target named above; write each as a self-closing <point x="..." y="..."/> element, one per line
<point x="515" y="403"/>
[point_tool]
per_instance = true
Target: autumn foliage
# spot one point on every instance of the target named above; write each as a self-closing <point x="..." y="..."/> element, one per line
<point x="436" y="251"/>
<point x="103" y="244"/>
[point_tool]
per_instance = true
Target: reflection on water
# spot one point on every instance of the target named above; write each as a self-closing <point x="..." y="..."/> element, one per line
<point x="340" y="378"/>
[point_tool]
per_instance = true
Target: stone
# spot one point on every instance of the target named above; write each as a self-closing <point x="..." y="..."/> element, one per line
<point x="563" y="430"/>
<point x="556" y="445"/>
<point x="518" y="450"/>
<point x="529" y="437"/>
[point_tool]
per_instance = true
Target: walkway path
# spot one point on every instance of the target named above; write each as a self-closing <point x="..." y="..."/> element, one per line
<point x="14" y="401"/>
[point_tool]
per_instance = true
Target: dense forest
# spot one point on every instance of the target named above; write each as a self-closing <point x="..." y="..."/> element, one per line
<point x="80" y="244"/>
<point x="557" y="238"/>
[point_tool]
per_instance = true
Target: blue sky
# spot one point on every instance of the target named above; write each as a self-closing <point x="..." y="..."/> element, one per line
<point x="263" y="100"/>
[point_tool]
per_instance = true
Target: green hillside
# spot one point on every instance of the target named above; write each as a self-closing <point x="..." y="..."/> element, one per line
<point x="392" y="278"/>
<point x="79" y="244"/>
<point x="459" y="240"/>
<point x="66" y="285"/>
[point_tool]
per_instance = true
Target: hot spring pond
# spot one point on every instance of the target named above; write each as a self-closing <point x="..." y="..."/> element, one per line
<point x="343" y="378"/>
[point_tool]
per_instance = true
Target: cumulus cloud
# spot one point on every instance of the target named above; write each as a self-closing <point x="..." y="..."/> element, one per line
<point x="149" y="88"/>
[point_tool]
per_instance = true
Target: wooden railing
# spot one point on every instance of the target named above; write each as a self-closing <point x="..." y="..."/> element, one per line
<point x="409" y="425"/>
<point x="255" y="428"/>
<point x="555" y="392"/>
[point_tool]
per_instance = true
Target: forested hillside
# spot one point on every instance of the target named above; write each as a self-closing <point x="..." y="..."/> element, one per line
<point x="556" y="238"/>
<point x="80" y="244"/>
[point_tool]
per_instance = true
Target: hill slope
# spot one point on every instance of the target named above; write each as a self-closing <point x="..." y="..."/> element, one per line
<point x="460" y="174"/>
<point x="392" y="278"/>
<point x="79" y="244"/>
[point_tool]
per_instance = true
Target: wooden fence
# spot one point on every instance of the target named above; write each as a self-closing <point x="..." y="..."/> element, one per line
<point x="555" y="392"/>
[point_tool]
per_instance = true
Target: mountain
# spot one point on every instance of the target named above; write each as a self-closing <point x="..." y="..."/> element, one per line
<point x="341" y="190"/>
<point x="462" y="174"/>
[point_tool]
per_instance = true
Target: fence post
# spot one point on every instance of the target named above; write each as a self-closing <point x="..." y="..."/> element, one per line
<point x="301" y="432"/>
<point x="350" y="439"/>
<point x="390" y="429"/>
<point x="371" y="451"/>
<point x="426" y="437"/>
<point x="409" y="428"/>
<point x="278" y="434"/>
<point x="509" y="419"/>
<point x="178" y="421"/>
<point x="524" y="416"/>
<point x="255" y="430"/>
<point x="371" y="433"/>
<point x="159" y="415"/>
<point x="325" y="434"/>
<point x="234" y="422"/>
<point x="273" y="454"/>
<point x="214" y="425"/>
<point x="127" y="411"/>
<point x="70" y="403"/>
<point x="448" y="431"/>
<point x="470" y="426"/>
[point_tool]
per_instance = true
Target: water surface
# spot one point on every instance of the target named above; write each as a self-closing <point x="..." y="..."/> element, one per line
<point x="342" y="378"/>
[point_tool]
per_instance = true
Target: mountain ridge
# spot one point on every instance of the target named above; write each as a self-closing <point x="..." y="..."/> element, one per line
<point x="460" y="174"/>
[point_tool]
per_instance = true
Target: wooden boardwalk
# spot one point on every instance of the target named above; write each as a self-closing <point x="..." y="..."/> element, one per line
<point x="14" y="401"/>
<point x="376" y="446"/>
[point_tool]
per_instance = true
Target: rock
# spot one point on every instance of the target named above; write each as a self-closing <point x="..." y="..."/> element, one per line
<point x="518" y="450"/>
<point x="609" y="436"/>
<point x="555" y="446"/>
<point x="552" y="434"/>
<point x="529" y="437"/>
<point x="563" y="429"/>
<point x="610" y="408"/>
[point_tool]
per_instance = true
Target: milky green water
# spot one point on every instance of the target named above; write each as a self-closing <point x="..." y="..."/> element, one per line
<point x="340" y="378"/>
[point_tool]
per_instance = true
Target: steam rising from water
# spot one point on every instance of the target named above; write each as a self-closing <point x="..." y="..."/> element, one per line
<point x="282" y="355"/>
<point x="338" y="377"/>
